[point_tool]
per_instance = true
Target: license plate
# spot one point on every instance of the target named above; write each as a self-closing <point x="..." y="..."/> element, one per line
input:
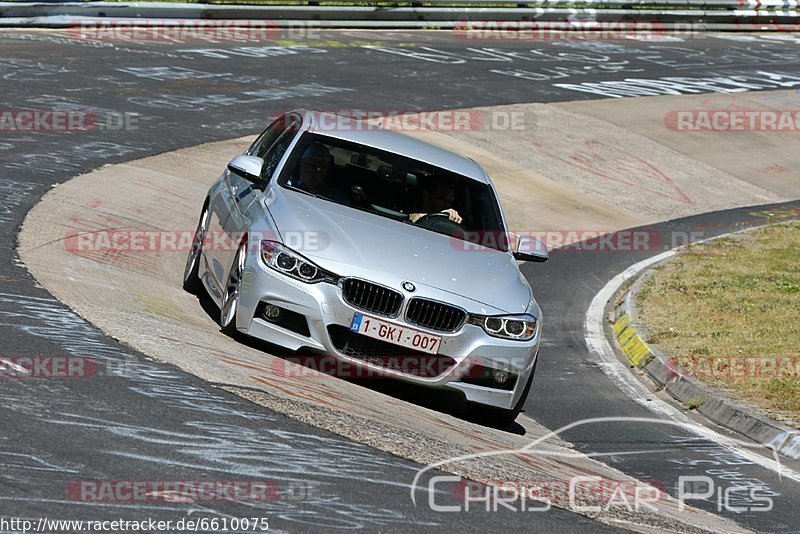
<point x="398" y="335"/>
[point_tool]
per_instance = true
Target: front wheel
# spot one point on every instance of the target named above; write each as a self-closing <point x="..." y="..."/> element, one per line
<point x="233" y="287"/>
<point x="191" y="272"/>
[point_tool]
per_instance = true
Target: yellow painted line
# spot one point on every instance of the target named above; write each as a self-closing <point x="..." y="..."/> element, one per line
<point x="631" y="342"/>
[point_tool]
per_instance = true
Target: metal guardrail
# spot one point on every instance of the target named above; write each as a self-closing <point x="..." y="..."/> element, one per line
<point x="595" y="4"/>
<point x="694" y="4"/>
<point x="731" y="14"/>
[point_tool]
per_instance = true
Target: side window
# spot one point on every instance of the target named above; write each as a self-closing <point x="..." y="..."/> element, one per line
<point x="273" y="155"/>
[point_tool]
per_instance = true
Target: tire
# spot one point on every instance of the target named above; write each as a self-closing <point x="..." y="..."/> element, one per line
<point x="500" y="417"/>
<point x="191" y="272"/>
<point x="230" y="296"/>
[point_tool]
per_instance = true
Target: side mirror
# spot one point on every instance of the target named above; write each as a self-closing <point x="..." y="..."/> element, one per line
<point x="531" y="249"/>
<point x="248" y="167"/>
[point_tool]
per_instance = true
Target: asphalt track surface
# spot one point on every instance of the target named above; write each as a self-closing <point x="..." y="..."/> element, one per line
<point x="156" y="423"/>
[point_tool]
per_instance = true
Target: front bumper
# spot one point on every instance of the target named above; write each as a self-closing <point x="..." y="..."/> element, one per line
<point x="324" y="309"/>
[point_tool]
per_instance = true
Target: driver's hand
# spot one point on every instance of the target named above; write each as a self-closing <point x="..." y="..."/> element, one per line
<point x="414" y="217"/>
<point x="453" y="215"/>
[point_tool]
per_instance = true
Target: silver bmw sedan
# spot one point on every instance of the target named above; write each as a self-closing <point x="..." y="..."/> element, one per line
<point x="384" y="254"/>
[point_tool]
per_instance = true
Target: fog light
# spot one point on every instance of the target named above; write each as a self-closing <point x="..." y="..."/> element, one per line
<point x="271" y="312"/>
<point x="501" y="377"/>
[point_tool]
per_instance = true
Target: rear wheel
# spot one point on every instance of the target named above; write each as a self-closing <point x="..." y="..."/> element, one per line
<point x="191" y="272"/>
<point x="230" y="297"/>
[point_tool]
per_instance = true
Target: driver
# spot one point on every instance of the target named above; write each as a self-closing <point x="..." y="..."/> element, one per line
<point x="438" y="198"/>
<point x="314" y="167"/>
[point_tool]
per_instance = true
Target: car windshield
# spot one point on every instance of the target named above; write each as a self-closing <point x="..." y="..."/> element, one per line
<point x="395" y="187"/>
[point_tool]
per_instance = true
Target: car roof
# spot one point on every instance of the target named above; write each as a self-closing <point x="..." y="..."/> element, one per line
<point x="354" y="131"/>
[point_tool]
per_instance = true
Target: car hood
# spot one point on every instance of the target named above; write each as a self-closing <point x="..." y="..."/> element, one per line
<point x="333" y="235"/>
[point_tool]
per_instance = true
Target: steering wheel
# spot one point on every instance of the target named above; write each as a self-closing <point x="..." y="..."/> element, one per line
<point x="440" y="222"/>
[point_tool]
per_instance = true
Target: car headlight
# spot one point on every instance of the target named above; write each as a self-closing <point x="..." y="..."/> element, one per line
<point x="519" y="327"/>
<point x="287" y="261"/>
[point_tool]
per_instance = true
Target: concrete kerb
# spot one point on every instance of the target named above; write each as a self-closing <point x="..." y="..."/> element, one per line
<point x="631" y="336"/>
